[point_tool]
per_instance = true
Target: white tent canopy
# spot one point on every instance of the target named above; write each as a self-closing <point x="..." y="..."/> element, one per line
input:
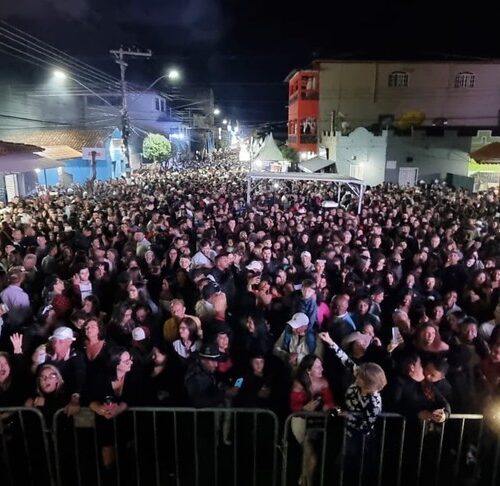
<point x="269" y="152"/>
<point x="357" y="186"/>
<point x="315" y="164"/>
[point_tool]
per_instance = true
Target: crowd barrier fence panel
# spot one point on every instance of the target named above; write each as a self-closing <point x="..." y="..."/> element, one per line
<point x="169" y="446"/>
<point x="25" y="452"/>
<point x="184" y="446"/>
<point x="461" y="451"/>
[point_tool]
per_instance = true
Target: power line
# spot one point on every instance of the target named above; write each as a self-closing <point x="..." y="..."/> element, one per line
<point x="80" y="65"/>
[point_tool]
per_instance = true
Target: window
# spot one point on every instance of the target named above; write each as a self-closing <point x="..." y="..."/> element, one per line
<point x="398" y="79"/>
<point x="160" y="104"/>
<point x="465" y="80"/>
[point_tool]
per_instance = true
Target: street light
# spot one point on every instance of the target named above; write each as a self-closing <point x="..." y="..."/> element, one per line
<point x="224" y="122"/>
<point x="216" y="111"/>
<point x="63" y="75"/>
<point x="173" y="74"/>
<point x="58" y="74"/>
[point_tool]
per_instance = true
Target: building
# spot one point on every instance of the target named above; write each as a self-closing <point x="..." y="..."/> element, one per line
<point x="303" y="110"/>
<point x="58" y="108"/>
<point x="19" y="168"/>
<point x="464" y="157"/>
<point x="376" y="94"/>
<point x="398" y="121"/>
<point x="69" y="152"/>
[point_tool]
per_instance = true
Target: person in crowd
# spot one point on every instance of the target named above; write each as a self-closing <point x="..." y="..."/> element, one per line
<point x="298" y="347"/>
<point x="310" y="393"/>
<point x="189" y="341"/>
<point x="50" y="394"/>
<point x="68" y="360"/>
<point x="200" y="382"/>
<point x="111" y="394"/>
<point x="14" y="379"/>
<point x="96" y="352"/>
<point x="16" y="301"/>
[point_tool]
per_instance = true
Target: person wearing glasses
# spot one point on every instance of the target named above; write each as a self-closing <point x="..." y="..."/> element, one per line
<point x="50" y="392"/>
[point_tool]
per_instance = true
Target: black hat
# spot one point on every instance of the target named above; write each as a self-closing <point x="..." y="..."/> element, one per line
<point x="209" y="289"/>
<point x="209" y="351"/>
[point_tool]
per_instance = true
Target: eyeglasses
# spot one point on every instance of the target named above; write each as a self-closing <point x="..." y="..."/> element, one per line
<point x="126" y="361"/>
<point x="52" y="376"/>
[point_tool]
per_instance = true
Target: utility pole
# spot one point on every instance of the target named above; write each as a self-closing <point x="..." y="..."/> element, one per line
<point x="120" y="56"/>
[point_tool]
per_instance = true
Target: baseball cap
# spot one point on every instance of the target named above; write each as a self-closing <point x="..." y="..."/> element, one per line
<point x="62" y="332"/>
<point x="305" y="254"/>
<point x="255" y="266"/>
<point x="299" y="319"/>
<point x="209" y="289"/>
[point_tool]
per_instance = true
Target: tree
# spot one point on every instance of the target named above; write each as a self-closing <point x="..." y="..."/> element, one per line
<point x="156" y="147"/>
<point x="289" y="153"/>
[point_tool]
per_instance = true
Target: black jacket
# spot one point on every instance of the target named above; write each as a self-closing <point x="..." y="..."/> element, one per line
<point x="202" y="388"/>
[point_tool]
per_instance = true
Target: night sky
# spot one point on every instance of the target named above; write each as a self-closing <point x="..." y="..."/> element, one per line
<point x="245" y="48"/>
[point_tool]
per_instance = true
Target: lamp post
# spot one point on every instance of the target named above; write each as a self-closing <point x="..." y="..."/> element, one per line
<point x="173" y="75"/>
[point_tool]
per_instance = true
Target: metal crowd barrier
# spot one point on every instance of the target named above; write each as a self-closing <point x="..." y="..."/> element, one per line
<point x="25" y="453"/>
<point x="186" y="446"/>
<point x="462" y="451"/>
<point x="169" y="447"/>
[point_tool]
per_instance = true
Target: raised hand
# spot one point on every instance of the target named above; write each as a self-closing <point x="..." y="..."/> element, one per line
<point x="17" y="342"/>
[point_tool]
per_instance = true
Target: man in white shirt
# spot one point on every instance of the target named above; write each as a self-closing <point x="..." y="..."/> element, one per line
<point x="204" y="258"/>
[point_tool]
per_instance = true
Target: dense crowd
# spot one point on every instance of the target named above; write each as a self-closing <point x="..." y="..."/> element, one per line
<point x="170" y="290"/>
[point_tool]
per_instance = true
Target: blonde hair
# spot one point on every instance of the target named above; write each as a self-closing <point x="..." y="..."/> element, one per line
<point x="53" y="369"/>
<point x="373" y="376"/>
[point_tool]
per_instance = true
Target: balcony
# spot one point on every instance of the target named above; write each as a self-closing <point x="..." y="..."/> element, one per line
<point x="309" y="95"/>
<point x="306" y="138"/>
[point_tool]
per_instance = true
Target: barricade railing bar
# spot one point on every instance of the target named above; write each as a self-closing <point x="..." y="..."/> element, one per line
<point x="249" y="447"/>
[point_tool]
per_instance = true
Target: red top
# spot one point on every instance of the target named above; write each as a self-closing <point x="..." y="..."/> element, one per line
<point x="298" y="398"/>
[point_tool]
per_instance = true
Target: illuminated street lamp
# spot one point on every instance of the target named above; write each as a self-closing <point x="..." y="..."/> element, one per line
<point x="61" y="75"/>
<point x="173" y="74"/>
<point x="58" y="74"/>
<point x="216" y="111"/>
<point x="224" y="122"/>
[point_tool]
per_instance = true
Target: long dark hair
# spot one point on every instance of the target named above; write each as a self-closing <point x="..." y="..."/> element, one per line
<point x="192" y="328"/>
<point x="115" y="355"/>
<point x="302" y="375"/>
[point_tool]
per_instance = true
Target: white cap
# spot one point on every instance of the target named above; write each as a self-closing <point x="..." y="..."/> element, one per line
<point x="138" y="334"/>
<point x="305" y="254"/>
<point x="62" y="333"/>
<point x="255" y="266"/>
<point x="298" y="320"/>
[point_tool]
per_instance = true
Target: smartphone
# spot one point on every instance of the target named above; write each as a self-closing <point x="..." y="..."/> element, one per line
<point x="238" y="383"/>
<point x="396" y="335"/>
